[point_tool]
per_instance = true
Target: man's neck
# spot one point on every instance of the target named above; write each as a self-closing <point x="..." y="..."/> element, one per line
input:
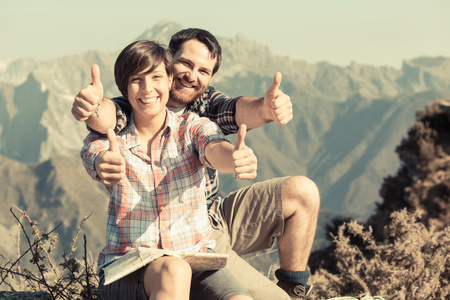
<point x="174" y="104"/>
<point x="177" y="110"/>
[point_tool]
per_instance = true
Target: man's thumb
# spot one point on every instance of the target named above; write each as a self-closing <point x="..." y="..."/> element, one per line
<point x="95" y="74"/>
<point x="275" y="84"/>
<point x="240" y="137"/>
<point x="113" y="145"/>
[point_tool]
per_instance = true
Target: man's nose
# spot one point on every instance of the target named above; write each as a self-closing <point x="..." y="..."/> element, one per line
<point x="191" y="75"/>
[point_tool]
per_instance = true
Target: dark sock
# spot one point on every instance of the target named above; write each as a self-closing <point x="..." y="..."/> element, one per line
<point x="297" y="277"/>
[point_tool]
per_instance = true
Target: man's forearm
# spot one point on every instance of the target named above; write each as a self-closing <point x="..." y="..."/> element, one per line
<point x="104" y="117"/>
<point x="250" y="111"/>
<point x="275" y="106"/>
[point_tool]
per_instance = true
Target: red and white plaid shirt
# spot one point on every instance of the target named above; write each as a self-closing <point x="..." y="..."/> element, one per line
<point x="212" y="104"/>
<point x="161" y="202"/>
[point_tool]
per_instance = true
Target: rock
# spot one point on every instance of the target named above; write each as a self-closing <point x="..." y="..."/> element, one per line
<point x="25" y="296"/>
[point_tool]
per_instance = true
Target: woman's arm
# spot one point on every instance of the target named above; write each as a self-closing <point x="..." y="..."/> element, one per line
<point x="239" y="159"/>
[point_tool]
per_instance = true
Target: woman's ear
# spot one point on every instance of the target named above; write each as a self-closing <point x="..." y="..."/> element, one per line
<point x="170" y="81"/>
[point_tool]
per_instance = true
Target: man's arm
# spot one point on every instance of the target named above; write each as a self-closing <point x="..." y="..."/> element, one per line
<point x="250" y="110"/>
<point x="90" y="106"/>
<point x="238" y="159"/>
<point x="275" y="106"/>
<point x="104" y="116"/>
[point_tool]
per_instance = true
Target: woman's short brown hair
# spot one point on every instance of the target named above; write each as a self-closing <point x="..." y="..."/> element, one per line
<point x="137" y="57"/>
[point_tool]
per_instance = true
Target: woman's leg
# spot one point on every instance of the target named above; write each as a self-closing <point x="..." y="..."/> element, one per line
<point x="167" y="278"/>
<point x="241" y="297"/>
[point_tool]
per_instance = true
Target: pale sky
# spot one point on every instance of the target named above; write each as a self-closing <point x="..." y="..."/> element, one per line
<point x="374" y="32"/>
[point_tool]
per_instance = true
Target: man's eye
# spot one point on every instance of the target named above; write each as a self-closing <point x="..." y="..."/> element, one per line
<point x="186" y="63"/>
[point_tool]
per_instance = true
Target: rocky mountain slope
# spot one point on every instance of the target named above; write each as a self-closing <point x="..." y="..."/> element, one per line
<point x="56" y="191"/>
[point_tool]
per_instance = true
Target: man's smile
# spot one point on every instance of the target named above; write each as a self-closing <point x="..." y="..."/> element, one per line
<point x="185" y="83"/>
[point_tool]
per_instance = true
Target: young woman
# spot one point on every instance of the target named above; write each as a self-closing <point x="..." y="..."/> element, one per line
<point x="154" y="172"/>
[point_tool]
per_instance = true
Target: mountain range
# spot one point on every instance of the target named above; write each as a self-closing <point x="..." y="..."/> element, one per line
<point x="347" y="123"/>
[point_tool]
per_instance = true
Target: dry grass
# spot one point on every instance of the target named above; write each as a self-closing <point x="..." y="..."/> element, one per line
<point x="412" y="263"/>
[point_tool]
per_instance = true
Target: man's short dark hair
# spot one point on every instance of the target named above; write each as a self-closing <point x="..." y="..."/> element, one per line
<point x="201" y="35"/>
<point x="137" y="57"/>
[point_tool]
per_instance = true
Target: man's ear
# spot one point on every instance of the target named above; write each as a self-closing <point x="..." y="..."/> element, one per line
<point x="170" y="81"/>
<point x="212" y="78"/>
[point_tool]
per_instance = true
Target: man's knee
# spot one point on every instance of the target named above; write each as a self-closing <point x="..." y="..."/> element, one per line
<point x="302" y="192"/>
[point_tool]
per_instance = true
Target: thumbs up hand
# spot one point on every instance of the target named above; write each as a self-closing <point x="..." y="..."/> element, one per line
<point x="88" y="99"/>
<point x="278" y="105"/>
<point x="110" y="164"/>
<point x="245" y="161"/>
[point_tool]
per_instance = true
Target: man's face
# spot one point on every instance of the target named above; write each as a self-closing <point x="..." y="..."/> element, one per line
<point x="193" y="72"/>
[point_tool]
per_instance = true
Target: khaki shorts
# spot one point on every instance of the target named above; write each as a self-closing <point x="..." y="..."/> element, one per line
<point x="251" y="219"/>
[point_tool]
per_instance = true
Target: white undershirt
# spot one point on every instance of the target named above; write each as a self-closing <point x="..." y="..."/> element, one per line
<point x="177" y="110"/>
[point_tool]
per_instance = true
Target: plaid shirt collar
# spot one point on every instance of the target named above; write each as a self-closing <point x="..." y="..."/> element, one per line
<point x="131" y="134"/>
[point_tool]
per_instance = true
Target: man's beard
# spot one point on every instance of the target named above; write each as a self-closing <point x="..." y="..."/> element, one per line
<point x="180" y="97"/>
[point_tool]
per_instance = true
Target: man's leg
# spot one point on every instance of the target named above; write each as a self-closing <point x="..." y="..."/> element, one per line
<point x="261" y="287"/>
<point x="301" y="203"/>
<point x="256" y="283"/>
<point x="217" y="284"/>
<point x="283" y="208"/>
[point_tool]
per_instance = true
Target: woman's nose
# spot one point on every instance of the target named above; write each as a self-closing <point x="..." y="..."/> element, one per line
<point x="147" y="86"/>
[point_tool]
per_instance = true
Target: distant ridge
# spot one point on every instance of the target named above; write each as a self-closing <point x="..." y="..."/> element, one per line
<point x="160" y="32"/>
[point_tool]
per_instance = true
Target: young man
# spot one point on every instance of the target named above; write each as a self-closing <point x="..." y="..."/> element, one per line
<point x="160" y="203"/>
<point x="251" y="218"/>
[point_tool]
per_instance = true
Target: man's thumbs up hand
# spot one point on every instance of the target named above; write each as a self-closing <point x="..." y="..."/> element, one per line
<point x="110" y="164"/>
<point x="277" y="104"/>
<point x="245" y="161"/>
<point x="88" y="99"/>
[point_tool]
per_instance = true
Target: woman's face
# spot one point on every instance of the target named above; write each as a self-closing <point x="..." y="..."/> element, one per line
<point x="148" y="93"/>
